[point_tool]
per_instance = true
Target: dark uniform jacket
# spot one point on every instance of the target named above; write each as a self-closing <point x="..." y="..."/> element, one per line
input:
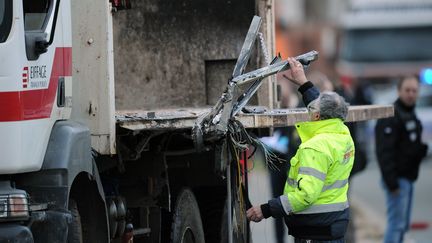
<point x="399" y="147"/>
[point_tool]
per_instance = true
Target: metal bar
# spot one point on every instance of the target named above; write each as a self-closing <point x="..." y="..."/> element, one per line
<point x="261" y="73"/>
<point x="229" y="201"/>
<point x="243" y="100"/>
<point x="239" y="69"/>
<point x="141" y="231"/>
<point x="247" y="46"/>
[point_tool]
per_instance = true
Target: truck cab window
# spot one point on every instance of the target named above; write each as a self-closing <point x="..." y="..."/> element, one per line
<point x="5" y="19"/>
<point x="36" y="14"/>
<point x="39" y="24"/>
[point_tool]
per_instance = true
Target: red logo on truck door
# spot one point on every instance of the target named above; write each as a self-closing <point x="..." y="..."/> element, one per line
<point x="35" y="77"/>
<point x="37" y="99"/>
<point x="25" y="77"/>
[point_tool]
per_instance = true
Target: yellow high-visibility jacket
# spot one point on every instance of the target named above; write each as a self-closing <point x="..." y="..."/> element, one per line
<point x="318" y="178"/>
<point x="315" y="203"/>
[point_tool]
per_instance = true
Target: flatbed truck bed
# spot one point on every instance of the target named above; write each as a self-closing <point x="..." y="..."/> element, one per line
<point x="185" y="118"/>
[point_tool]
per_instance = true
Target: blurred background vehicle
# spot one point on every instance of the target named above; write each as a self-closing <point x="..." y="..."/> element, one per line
<point x="383" y="39"/>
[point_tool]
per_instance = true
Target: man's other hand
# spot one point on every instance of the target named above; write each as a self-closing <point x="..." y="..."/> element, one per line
<point x="255" y="214"/>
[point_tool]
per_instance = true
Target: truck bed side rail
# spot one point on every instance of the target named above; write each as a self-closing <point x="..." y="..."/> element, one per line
<point x="174" y="119"/>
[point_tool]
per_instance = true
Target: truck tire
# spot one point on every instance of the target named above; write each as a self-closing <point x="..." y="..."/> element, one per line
<point x="75" y="228"/>
<point x="187" y="225"/>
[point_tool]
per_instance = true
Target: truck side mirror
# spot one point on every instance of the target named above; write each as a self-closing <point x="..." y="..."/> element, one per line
<point x="34" y="44"/>
<point x="36" y="40"/>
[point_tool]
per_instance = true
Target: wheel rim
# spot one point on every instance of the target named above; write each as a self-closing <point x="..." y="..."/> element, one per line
<point x="188" y="236"/>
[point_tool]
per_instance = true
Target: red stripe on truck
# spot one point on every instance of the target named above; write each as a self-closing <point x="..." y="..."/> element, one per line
<point x="36" y="104"/>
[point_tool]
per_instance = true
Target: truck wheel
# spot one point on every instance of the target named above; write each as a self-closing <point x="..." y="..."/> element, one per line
<point x="187" y="225"/>
<point x="75" y="228"/>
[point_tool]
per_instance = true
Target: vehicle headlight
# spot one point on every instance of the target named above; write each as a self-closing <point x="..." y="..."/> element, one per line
<point x="14" y="206"/>
<point x="18" y="206"/>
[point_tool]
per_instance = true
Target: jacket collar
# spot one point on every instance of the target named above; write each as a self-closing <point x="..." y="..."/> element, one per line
<point x="404" y="107"/>
<point x="309" y="129"/>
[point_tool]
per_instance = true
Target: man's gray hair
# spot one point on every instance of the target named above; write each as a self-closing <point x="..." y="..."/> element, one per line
<point x="332" y="105"/>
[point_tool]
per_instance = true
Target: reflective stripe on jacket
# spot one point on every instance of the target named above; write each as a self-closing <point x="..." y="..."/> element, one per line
<point x="318" y="179"/>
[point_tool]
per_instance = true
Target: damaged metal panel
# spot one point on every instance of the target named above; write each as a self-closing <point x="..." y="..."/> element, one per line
<point x="159" y="119"/>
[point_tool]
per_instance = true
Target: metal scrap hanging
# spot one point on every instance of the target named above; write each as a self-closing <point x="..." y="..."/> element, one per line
<point x="215" y="125"/>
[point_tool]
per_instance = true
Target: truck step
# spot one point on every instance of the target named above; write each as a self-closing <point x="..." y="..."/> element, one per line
<point x="141" y="231"/>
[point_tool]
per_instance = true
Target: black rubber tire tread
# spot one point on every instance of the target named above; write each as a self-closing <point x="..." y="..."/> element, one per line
<point x="75" y="227"/>
<point x="186" y="215"/>
<point x="211" y="202"/>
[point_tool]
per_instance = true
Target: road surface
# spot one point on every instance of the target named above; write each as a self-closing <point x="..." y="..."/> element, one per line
<point x="367" y="204"/>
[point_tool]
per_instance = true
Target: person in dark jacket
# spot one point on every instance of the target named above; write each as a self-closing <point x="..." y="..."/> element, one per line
<point x="399" y="150"/>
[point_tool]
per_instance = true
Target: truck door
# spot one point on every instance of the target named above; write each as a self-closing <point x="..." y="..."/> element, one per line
<point x="48" y="52"/>
<point x="36" y="63"/>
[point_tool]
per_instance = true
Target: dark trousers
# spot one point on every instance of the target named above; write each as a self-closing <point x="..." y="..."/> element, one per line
<point x="278" y="179"/>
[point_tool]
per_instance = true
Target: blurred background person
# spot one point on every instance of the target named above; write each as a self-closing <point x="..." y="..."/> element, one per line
<point x="399" y="150"/>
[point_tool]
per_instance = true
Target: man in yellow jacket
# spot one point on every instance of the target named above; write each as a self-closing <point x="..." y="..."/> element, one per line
<point x="315" y="203"/>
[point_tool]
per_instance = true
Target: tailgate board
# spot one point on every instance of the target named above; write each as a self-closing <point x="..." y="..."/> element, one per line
<point x="172" y="119"/>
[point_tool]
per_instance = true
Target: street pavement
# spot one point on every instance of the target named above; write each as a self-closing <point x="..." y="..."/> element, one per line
<point x="367" y="204"/>
<point x="259" y="193"/>
<point x="367" y="189"/>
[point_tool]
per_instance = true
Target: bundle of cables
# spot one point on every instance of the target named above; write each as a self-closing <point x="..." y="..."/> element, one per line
<point x="239" y="140"/>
